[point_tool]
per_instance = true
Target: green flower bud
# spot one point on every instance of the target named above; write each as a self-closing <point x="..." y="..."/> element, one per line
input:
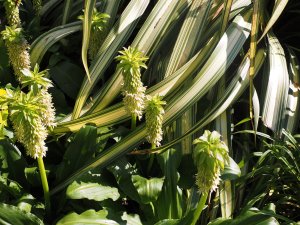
<point x="154" y="118"/>
<point x="130" y="62"/>
<point x="210" y="156"/>
<point x="37" y="6"/>
<point x="98" y="32"/>
<point x="17" y="47"/>
<point x="12" y="12"/>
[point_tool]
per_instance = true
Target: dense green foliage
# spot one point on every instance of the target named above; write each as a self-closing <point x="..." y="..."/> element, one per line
<point x="214" y="85"/>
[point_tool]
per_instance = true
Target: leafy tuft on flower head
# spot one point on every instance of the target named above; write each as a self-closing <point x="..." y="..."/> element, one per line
<point x="35" y="78"/>
<point x="210" y="157"/>
<point x="130" y="62"/>
<point x="154" y="118"/>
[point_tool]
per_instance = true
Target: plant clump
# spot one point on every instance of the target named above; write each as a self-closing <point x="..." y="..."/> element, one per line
<point x="210" y="157"/>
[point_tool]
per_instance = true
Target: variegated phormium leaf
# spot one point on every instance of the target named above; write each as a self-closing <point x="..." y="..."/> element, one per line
<point x="154" y="118"/>
<point x="210" y="156"/>
<point x="17" y="48"/>
<point x="130" y="62"/>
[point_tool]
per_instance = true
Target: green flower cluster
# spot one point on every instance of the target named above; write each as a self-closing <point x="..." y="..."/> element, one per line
<point x="17" y="48"/>
<point x="210" y="157"/>
<point x="130" y="62"/>
<point x="12" y="12"/>
<point x="154" y="118"/>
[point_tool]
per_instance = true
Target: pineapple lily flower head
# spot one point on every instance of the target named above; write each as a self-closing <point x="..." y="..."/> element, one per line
<point x="210" y="157"/>
<point x="130" y="62"/>
<point x="154" y="119"/>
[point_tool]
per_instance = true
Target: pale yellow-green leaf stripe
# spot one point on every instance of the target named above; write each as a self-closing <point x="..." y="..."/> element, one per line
<point x="86" y="28"/>
<point x="114" y="41"/>
<point x="225" y="15"/>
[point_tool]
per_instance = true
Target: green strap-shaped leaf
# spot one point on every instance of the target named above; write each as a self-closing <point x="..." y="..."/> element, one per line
<point x="40" y="46"/>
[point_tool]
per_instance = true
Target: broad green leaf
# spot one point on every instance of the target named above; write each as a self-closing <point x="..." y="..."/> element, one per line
<point x="250" y="217"/>
<point x="91" y="191"/>
<point x="67" y="77"/>
<point x="88" y="217"/>
<point x="123" y="172"/>
<point x="114" y="41"/>
<point x="277" y="87"/>
<point x="86" y="28"/>
<point x="131" y="219"/>
<point x="168" y="222"/>
<point x="231" y="171"/>
<point x="12" y="162"/>
<point x="148" y="189"/>
<point x="41" y="44"/>
<point x="169" y="204"/>
<point x="80" y="150"/>
<point x="11" y="215"/>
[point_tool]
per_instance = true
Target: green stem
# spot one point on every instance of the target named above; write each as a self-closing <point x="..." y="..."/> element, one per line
<point x="133" y="122"/>
<point x="200" y="207"/>
<point x="153" y="146"/>
<point x="44" y="184"/>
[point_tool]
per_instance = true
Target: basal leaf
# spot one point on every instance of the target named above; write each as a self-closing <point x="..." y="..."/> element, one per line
<point x="88" y="217"/>
<point x="11" y="215"/>
<point x="148" y="189"/>
<point x="91" y="191"/>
